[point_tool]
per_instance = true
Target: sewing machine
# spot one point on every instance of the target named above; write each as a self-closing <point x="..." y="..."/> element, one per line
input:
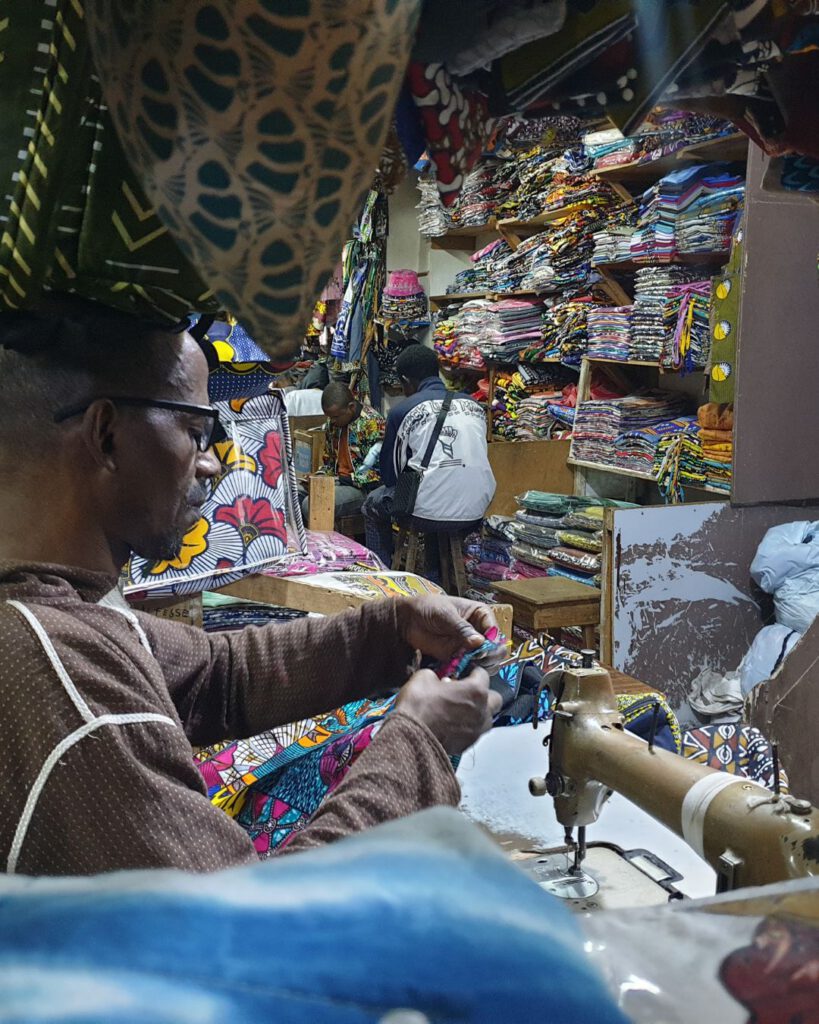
<point x="749" y="835"/>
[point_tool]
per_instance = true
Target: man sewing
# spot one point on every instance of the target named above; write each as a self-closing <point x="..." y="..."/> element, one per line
<point x="105" y="431"/>
<point x="352" y="442"/>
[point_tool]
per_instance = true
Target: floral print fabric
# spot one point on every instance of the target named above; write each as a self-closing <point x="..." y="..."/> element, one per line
<point x="244" y="522"/>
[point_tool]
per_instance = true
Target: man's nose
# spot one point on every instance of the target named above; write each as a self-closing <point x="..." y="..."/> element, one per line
<point x="207" y="465"/>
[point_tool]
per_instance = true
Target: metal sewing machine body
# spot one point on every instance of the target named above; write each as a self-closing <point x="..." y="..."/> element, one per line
<point x="749" y="835"/>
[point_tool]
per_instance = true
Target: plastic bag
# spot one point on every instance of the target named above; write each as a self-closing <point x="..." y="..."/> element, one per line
<point x="787" y="565"/>
<point x="770" y="648"/>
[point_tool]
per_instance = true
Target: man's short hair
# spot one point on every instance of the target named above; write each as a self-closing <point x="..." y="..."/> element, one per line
<point x="416" y="363"/>
<point x="71" y="350"/>
<point x="336" y="396"/>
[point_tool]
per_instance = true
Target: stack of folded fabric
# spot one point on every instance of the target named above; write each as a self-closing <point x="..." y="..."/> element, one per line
<point x="638" y="450"/>
<point x="486" y="186"/>
<point x="687" y="342"/>
<point x="571" y="244"/>
<point x="536" y="170"/>
<point x="559" y="535"/>
<point x="487" y="558"/>
<point x="476" y="325"/>
<point x="478" y="276"/>
<point x="404" y="298"/>
<point x="651" y="288"/>
<point x="565" y="331"/>
<point x="433" y="218"/>
<point x="690" y="211"/>
<point x="716" y="434"/>
<point x="609" y="332"/>
<point x="612" y="244"/>
<point x="536" y="419"/>
<point x="598" y="423"/>
<point x="517" y="323"/>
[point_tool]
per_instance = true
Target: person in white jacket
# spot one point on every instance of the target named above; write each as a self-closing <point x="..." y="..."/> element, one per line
<point x="458" y="484"/>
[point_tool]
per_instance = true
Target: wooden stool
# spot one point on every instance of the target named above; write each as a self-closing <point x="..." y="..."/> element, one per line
<point x="550" y="601"/>
<point x="412" y="542"/>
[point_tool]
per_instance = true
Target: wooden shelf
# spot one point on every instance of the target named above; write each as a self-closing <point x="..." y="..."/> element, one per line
<point x="623" y="362"/>
<point x="461" y="239"/>
<point x="444" y="300"/>
<point x="729" y="148"/>
<point x="635" y="475"/>
<point x="709" y="259"/>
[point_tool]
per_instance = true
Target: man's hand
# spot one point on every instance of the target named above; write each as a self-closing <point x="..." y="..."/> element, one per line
<point x="444" y="626"/>
<point x="456" y="711"/>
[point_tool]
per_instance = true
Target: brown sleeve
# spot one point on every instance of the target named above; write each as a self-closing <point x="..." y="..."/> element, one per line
<point x="233" y="685"/>
<point x="405" y="769"/>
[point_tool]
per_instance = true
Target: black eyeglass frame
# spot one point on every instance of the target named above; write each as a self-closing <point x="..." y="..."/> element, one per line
<point x="217" y="431"/>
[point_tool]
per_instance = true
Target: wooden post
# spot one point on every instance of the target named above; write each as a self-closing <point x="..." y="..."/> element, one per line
<point x="322" y="494"/>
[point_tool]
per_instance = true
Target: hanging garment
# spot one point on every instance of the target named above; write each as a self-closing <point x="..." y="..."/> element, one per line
<point x="456" y="124"/>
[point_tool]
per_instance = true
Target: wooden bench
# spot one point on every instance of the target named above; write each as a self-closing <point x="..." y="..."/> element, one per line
<point x="549" y="602"/>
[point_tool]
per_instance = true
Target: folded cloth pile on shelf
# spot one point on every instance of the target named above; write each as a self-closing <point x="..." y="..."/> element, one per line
<point x="453" y="347"/>
<point x="598" y="424"/>
<point x="669" y="132"/>
<point x="404" y="298"/>
<point x="690" y="211"/>
<point x="700" y="454"/>
<point x="639" y="450"/>
<point x="612" y="244"/>
<point x="478" y="276"/>
<point x="687" y="342"/>
<point x="651" y="288"/>
<point x="433" y="217"/>
<point x="516" y="324"/>
<point x="559" y="535"/>
<point x="542" y="383"/>
<point x="487" y="558"/>
<point x="487" y="185"/>
<point x="565" y="332"/>
<point x="716" y="433"/>
<point x="609" y="332"/>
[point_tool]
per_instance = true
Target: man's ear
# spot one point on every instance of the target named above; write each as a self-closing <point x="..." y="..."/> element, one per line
<point x="101" y="424"/>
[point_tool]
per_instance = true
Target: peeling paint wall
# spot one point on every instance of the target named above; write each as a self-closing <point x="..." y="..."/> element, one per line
<point x="683" y="598"/>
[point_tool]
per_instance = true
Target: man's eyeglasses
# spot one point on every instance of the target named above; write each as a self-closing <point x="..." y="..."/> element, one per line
<point x="212" y="433"/>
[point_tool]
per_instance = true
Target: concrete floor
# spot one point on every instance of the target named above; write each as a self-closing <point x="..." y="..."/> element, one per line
<point x="494" y="778"/>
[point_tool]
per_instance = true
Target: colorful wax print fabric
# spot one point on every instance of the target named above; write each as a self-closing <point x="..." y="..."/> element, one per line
<point x="740" y="750"/>
<point x="456" y="124"/>
<point x="244" y="523"/>
<point x="273" y="783"/>
<point x="243" y="370"/>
